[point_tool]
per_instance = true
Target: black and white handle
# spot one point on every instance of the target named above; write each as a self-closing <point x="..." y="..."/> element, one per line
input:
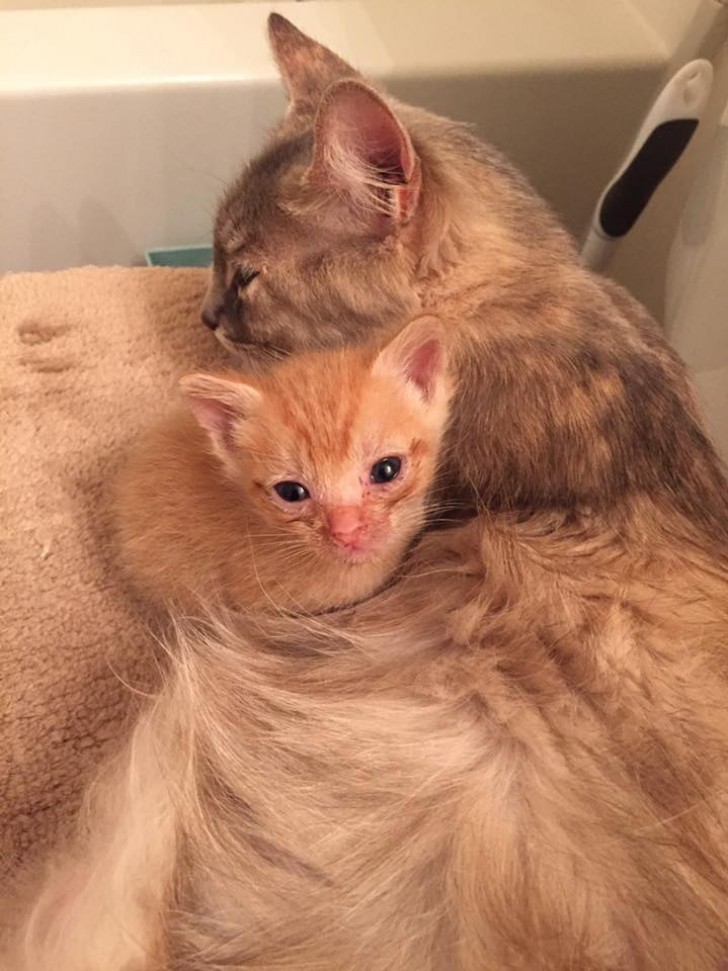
<point x="663" y="137"/>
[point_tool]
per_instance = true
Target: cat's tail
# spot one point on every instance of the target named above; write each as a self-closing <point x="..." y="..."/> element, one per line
<point x="101" y="904"/>
<point x="103" y="901"/>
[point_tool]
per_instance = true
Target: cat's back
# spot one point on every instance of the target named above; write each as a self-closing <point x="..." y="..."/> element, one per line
<point x="505" y="772"/>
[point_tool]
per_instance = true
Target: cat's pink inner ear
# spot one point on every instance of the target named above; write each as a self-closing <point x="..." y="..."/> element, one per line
<point x="360" y="143"/>
<point x="418" y="354"/>
<point x="424" y="366"/>
<point x="307" y="67"/>
<point x="218" y="404"/>
<point x="214" y="417"/>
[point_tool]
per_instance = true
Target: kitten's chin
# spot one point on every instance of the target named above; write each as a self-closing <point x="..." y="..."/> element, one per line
<point x="377" y="556"/>
<point x="356" y="557"/>
<point x="361" y="550"/>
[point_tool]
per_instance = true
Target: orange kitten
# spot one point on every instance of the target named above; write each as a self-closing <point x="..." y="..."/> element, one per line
<point x="302" y="487"/>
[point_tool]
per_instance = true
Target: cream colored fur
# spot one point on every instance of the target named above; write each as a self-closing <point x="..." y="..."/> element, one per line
<point x="524" y="772"/>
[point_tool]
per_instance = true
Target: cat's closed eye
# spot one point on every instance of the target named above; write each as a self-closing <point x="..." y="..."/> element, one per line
<point x="385" y="470"/>
<point x="244" y="276"/>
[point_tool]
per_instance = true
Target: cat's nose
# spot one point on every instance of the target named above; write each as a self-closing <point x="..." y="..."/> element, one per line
<point x="231" y="323"/>
<point x="347" y="526"/>
<point x="212" y="308"/>
<point x="209" y="319"/>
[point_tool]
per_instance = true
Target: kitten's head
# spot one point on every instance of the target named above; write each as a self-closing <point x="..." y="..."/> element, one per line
<point x="335" y="450"/>
<point x="324" y="227"/>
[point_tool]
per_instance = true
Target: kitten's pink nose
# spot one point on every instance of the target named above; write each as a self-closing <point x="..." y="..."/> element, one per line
<point x="346" y="526"/>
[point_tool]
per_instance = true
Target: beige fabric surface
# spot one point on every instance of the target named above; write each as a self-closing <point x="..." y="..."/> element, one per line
<point x="87" y="356"/>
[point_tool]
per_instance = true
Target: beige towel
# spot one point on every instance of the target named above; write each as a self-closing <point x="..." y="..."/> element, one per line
<point x="87" y="357"/>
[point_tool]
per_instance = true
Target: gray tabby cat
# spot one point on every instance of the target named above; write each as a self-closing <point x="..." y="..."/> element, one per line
<point x="363" y="212"/>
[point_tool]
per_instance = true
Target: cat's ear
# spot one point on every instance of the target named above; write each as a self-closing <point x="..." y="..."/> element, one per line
<point x="418" y="356"/>
<point x="307" y="67"/>
<point x="219" y="405"/>
<point x="360" y="147"/>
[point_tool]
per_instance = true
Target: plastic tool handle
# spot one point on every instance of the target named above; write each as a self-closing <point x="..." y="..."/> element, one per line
<point x="663" y="137"/>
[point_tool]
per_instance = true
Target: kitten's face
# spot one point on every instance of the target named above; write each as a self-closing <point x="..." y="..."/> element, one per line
<point x="336" y="451"/>
<point x="315" y="243"/>
<point x="348" y="481"/>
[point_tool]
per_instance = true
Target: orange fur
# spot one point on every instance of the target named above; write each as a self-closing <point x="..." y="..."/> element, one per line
<point x="198" y="517"/>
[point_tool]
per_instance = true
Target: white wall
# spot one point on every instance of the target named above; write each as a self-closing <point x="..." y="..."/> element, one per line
<point x="60" y="4"/>
<point x="668" y="18"/>
<point x="119" y="126"/>
<point x="696" y="313"/>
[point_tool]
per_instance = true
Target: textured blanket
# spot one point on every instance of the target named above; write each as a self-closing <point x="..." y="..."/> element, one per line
<point x="87" y="358"/>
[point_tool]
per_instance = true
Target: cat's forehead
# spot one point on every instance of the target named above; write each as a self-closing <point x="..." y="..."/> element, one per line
<point x="328" y="415"/>
<point x="321" y="401"/>
<point x="252" y="203"/>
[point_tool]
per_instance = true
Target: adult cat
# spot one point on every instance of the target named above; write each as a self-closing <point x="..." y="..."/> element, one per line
<point x="576" y="632"/>
<point x="363" y="212"/>
<point x="514" y="758"/>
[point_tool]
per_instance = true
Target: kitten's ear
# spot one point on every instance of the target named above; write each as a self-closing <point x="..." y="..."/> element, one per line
<point x="307" y="67"/>
<point x="362" y="148"/>
<point x="219" y="404"/>
<point x="417" y="355"/>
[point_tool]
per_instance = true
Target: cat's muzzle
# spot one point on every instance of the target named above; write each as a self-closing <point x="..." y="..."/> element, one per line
<point x="226" y="318"/>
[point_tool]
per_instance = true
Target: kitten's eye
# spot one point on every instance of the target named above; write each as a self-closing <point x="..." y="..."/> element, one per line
<point x="292" y="491"/>
<point x="385" y="469"/>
